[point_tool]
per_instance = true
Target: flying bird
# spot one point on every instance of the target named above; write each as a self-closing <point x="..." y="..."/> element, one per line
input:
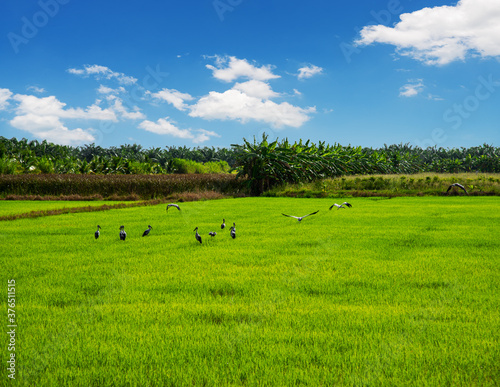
<point x="299" y="218"/>
<point x="212" y="233"/>
<point x="197" y="236"/>
<point x="223" y="225"/>
<point x="339" y="206"/>
<point x="233" y="231"/>
<point x="123" y="234"/>
<point x="173" y="205"/>
<point x="145" y="233"/>
<point x="457" y="185"/>
<point x="97" y="233"/>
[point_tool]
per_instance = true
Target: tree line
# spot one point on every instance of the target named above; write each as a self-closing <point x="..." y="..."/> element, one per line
<point x="265" y="163"/>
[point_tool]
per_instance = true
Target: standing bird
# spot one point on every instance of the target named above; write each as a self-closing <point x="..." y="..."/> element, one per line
<point x="457" y="185"/>
<point x="339" y="206"/>
<point x="123" y="234"/>
<point x="198" y="237"/>
<point x="223" y="225"/>
<point x="233" y="232"/>
<point x="299" y="218"/>
<point x="145" y="233"/>
<point x="173" y="205"/>
<point x="212" y="233"/>
<point x="97" y="233"/>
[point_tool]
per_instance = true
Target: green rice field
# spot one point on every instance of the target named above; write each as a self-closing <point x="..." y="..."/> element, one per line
<point x="391" y="292"/>
<point x="12" y="207"/>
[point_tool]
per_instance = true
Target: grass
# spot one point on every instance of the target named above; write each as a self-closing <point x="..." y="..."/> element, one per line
<point x="401" y="291"/>
<point x="22" y="206"/>
<point x="420" y="184"/>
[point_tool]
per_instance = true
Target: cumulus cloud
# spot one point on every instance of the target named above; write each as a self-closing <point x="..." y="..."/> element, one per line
<point x="51" y="106"/>
<point x="257" y="89"/>
<point x="118" y="107"/>
<point x="103" y="72"/>
<point x="440" y="35"/>
<point x="164" y="126"/>
<point x="5" y="95"/>
<point x="412" y="88"/>
<point x="51" y="129"/>
<point x="230" y="68"/>
<point x="174" y="97"/>
<point x="43" y="117"/>
<point x="309" y="71"/>
<point x="236" y="105"/>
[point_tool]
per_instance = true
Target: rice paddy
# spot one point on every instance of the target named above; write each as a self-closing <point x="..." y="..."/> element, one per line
<point x="402" y="291"/>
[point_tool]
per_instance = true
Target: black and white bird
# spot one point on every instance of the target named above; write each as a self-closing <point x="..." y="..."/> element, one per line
<point x="173" y="205"/>
<point x="299" y="218"/>
<point x="123" y="234"/>
<point x="145" y="233"/>
<point x="97" y="233"/>
<point x="198" y="237"/>
<point x="212" y="233"/>
<point x="223" y="225"/>
<point x="339" y="206"/>
<point x="457" y="185"/>
<point x="233" y="231"/>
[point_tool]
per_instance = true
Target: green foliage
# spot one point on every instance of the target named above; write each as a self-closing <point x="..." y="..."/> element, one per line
<point x="281" y="161"/>
<point x="7" y="166"/>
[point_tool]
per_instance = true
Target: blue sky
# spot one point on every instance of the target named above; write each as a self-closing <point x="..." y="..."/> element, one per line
<point x="210" y="72"/>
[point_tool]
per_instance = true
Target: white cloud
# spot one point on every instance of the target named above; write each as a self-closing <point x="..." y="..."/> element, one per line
<point x="46" y="106"/>
<point x="257" y="89"/>
<point x="36" y="89"/>
<point x="164" y="126"/>
<point x="43" y="118"/>
<point x="440" y="35"/>
<point x="236" y="105"/>
<point x="50" y="128"/>
<point x="203" y="135"/>
<point x="309" y="71"/>
<point x="230" y="68"/>
<point x="103" y="72"/>
<point x="108" y="90"/>
<point x="5" y="95"/>
<point x="411" y="89"/>
<point x="174" y="97"/>
<point x="118" y="107"/>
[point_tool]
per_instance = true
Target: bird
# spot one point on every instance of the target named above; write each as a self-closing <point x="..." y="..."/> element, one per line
<point x="123" y="234"/>
<point x="145" y="233"/>
<point x="233" y="231"/>
<point x="299" y="218"/>
<point x="223" y="225"/>
<point x="198" y="237"/>
<point x="212" y="233"/>
<point x="339" y="206"/>
<point x="97" y="233"/>
<point x="457" y="185"/>
<point x="173" y="205"/>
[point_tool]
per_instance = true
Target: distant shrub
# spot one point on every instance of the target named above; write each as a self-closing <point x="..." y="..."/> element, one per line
<point x="184" y="166"/>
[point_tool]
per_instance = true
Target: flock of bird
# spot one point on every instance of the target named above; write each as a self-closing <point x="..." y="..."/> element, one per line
<point x="123" y="234"/>
<point x="232" y="232"/>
